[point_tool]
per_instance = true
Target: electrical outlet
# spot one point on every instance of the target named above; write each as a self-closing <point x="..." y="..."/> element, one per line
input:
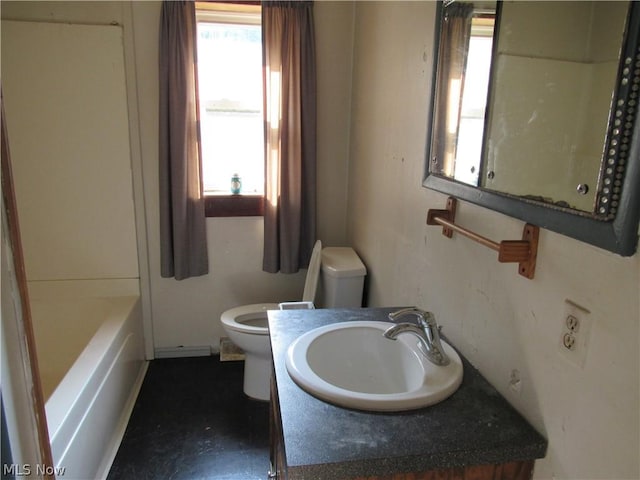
<point x="574" y="336"/>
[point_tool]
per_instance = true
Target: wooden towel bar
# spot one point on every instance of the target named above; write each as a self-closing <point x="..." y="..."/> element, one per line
<point x="523" y="251"/>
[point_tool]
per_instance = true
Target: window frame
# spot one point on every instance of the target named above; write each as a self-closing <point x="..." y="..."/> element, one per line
<point x="222" y="204"/>
<point x="228" y="205"/>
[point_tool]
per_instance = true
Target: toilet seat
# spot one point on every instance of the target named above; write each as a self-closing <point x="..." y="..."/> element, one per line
<point x="241" y="318"/>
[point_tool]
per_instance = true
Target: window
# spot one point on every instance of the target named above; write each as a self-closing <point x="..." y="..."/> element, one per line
<point x="229" y="47"/>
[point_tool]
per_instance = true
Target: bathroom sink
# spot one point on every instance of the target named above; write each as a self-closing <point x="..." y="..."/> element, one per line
<point x="352" y="365"/>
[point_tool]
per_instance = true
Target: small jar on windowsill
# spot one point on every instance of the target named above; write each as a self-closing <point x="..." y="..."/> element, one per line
<point x="236" y="184"/>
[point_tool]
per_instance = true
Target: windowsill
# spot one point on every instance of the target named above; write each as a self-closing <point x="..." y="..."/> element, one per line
<point x="226" y="205"/>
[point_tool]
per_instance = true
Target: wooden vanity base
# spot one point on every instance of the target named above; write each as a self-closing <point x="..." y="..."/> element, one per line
<point x="507" y="471"/>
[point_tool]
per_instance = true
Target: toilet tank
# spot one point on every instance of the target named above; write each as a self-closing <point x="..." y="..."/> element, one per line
<point x="342" y="277"/>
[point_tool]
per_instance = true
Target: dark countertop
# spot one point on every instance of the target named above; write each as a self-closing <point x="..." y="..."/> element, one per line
<point x="475" y="426"/>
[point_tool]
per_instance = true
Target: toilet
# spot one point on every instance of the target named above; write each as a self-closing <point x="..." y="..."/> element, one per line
<point x="342" y="284"/>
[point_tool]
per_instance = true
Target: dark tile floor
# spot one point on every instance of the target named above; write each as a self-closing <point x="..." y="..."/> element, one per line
<point x="192" y="421"/>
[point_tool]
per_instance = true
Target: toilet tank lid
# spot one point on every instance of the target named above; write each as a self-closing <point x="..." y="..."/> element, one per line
<point x="342" y="262"/>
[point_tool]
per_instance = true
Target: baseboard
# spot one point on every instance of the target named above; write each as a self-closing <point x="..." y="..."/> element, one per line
<point x="180" y="351"/>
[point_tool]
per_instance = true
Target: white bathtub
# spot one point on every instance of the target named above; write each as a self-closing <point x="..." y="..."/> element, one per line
<point x="91" y="357"/>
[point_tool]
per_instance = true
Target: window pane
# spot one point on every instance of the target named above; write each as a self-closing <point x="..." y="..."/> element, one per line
<point x="230" y="89"/>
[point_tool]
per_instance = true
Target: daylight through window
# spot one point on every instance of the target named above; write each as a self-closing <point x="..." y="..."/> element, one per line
<point x="230" y="92"/>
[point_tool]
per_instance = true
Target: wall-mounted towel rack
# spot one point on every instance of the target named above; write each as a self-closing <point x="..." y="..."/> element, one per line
<point x="523" y="251"/>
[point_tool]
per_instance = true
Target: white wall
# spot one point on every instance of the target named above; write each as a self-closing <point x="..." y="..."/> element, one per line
<point x="498" y="319"/>
<point x="66" y="112"/>
<point x="334" y="44"/>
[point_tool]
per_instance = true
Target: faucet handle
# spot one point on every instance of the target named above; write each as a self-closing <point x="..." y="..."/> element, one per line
<point x="395" y="316"/>
<point x="424" y="318"/>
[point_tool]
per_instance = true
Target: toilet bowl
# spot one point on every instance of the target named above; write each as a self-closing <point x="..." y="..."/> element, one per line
<point x="247" y="327"/>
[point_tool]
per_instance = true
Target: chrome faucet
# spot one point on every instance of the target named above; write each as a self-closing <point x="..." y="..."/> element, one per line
<point x="427" y="331"/>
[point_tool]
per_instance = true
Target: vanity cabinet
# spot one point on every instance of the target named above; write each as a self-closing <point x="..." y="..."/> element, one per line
<point x="474" y="434"/>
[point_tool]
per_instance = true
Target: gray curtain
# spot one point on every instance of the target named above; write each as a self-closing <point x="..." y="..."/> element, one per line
<point x="290" y="135"/>
<point x="454" y="44"/>
<point x="183" y="242"/>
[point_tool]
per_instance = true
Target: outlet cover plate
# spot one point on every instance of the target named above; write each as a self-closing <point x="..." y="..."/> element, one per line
<point x="577" y="330"/>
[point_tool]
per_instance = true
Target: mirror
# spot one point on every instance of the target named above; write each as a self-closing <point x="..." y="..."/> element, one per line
<point x="534" y="114"/>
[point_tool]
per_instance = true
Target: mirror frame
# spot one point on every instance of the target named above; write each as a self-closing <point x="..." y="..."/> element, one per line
<point x="618" y="235"/>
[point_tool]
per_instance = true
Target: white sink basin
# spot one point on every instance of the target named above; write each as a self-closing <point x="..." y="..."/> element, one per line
<point x="352" y="365"/>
